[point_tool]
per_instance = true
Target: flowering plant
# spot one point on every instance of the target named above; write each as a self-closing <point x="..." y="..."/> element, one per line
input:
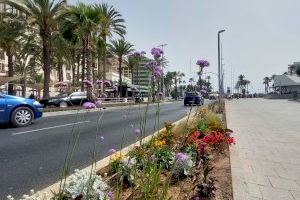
<point x="99" y="82"/>
<point x="183" y="165"/>
<point x="89" y="105"/>
<point x="87" y="184"/>
<point x="88" y="83"/>
<point x="156" y="52"/>
<point x="125" y="171"/>
<point x="164" y="157"/>
<point x="107" y="83"/>
<point x="218" y="139"/>
<point x="202" y="63"/>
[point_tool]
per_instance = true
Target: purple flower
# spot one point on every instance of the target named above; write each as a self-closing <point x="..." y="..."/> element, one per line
<point x="112" y="151"/>
<point x="181" y="156"/>
<point x="160" y="93"/>
<point x="107" y="82"/>
<point x="110" y="195"/>
<point x="88" y="83"/>
<point x="89" y="105"/>
<point x="136" y="54"/>
<point x="203" y="91"/>
<point x="151" y="65"/>
<point x="115" y="88"/>
<point x="157" y="72"/>
<point x="143" y="52"/>
<point x="157" y="52"/>
<point x="137" y="131"/>
<point x="203" y="63"/>
<point x="99" y="82"/>
<point x="152" y="158"/>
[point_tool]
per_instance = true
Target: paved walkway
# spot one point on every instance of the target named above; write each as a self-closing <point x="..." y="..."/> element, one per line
<point x="265" y="162"/>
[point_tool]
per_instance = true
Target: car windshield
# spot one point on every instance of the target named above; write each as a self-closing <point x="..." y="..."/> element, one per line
<point x="61" y="95"/>
<point x="191" y="94"/>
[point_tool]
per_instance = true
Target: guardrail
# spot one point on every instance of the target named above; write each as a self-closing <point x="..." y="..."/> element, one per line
<point x="116" y="100"/>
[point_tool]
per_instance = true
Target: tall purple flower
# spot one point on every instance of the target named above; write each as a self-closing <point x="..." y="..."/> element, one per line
<point x="112" y="151"/>
<point x="89" y="105"/>
<point x="99" y="82"/>
<point x="137" y="131"/>
<point x="151" y="65"/>
<point x="202" y="63"/>
<point x="88" y="83"/>
<point x="157" y="52"/>
<point x="181" y="156"/>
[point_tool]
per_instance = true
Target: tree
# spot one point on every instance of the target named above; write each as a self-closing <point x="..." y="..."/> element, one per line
<point x="11" y="29"/>
<point x="132" y="63"/>
<point x="266" y="82"/>
<point x="120" y="48"/>
<point x="168" y="79"/>
<point x="83" y="20"/>
<point x="111" y="22"/>
<point x="44" y="14"/>
<point x="177" y="78"/>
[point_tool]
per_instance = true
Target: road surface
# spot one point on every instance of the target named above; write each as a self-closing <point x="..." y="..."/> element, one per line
<point x="32" y="157"/>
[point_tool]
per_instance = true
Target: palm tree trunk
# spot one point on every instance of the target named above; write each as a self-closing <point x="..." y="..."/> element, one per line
<point x="24" y="87"/>
<point x="83" y="63"/>
<point x="120" y="77"/>
<point x="10" y="72"/>
<point x="99" y="66"/>
<point x="104" y="63"/>
<point x="60" y="71"/>
<point x="78" y="70"/>
<point x="45" y="35"/>
<point x="89" y="68"/>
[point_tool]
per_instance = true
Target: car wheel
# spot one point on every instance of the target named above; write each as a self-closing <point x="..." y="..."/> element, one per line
<point x="63" y="104"/>
<point x="21" y="116"/>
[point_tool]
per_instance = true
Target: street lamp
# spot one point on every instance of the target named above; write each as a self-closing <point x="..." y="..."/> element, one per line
<point x="162" y="69"/>
<point x="219" y="63"/>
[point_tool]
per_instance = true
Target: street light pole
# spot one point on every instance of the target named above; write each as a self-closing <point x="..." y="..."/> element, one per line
<point x="219" y="64"/>
<point x="162" y="69"/>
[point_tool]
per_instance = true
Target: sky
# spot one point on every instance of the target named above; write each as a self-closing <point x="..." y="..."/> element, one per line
<point x="262" y="37"/>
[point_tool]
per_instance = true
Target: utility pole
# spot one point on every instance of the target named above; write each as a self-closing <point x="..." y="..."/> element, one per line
<point x="219" y="64"/>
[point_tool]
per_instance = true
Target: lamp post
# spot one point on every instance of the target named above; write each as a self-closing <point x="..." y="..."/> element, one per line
<point x="162" y="69"/>
<point x="219" y="64"/>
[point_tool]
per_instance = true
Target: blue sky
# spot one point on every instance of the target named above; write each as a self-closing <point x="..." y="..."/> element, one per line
<point x="262" y="36"/>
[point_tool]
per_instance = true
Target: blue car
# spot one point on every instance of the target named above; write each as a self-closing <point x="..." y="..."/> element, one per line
<point x="19" y="111"/>
<point x="193" y="98"/>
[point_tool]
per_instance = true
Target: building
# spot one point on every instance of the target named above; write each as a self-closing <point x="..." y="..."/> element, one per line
<point x="142" y="77"/>
<point x="286" y="84"/>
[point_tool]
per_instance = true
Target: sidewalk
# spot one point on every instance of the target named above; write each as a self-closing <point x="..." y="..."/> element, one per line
<point x="265" y="162"/>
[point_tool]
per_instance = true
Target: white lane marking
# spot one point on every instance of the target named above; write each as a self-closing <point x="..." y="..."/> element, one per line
<point x="52" y="127"/>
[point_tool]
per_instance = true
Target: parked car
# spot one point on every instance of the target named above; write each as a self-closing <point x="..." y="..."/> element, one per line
<point x="193" y="98"/>
<point x="65" y="100"/>
<point x="19" y="111"/>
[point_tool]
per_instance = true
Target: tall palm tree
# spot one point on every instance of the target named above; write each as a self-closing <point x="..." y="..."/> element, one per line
<point x="11" y="30"/>
<point x="83" y="19"/>
<point x="44" y="14"/>
<point x="177" y="78"/>
<point x="111" y="22"/>
<point x="120" y="48"/>
<point x="266" y="82"/>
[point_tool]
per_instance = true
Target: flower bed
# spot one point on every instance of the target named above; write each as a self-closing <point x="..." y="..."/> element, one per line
<point x="189" y="161"/>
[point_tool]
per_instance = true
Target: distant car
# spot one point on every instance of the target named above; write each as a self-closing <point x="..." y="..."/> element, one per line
<point x="19" y="111"/>
<point x="65" y="100"/>
<point x="193" y="98"/>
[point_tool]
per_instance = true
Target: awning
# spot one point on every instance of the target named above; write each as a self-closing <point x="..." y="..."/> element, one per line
<point x="5" y="79"/>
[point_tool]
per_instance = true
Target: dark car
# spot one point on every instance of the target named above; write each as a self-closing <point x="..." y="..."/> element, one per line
<point x="65" y="100"/>
<point x="193" y="98"/>
<point x="19" y="111"/>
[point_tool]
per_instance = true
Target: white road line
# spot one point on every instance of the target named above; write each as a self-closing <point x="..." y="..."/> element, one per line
<point x="52" y="127"/>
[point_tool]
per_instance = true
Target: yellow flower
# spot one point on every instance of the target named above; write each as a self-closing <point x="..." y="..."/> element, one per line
<point x="159" y="143"/>
<point x="117" y="156"/>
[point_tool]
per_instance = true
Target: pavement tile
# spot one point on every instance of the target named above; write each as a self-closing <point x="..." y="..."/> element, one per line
<point x="296" y="195"/>
<point x="290" y="173"/>
<point x="282" y="183"/>
<point x="270" y="193"/>
<point x="253" y="190"/>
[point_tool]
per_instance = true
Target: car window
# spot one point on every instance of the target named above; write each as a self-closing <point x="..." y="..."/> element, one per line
<point x="78" y="94"/>
<point x="191" y="94"/>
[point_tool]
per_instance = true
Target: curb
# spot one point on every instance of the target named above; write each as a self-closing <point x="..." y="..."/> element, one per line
<point x="105" y="161"/>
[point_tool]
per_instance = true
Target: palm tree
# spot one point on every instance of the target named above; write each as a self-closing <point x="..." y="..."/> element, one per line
<point x="83" y="20"/>
<point x="111" y="22"/>
<point x="44" y="14"/>
<point x="11" y="30"/>
<point x="120" y="48"/>
<point x="266" y="82"/>
<point x="177" y="78"/>
<point x="132" y="63"/>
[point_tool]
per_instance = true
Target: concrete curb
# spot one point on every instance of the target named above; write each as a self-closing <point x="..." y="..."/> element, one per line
<point x="105" y="161"/>
<point x="72" y="112"/>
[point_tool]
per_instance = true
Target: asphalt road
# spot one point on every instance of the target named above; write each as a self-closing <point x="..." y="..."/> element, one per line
<point x="32" y="157"/>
